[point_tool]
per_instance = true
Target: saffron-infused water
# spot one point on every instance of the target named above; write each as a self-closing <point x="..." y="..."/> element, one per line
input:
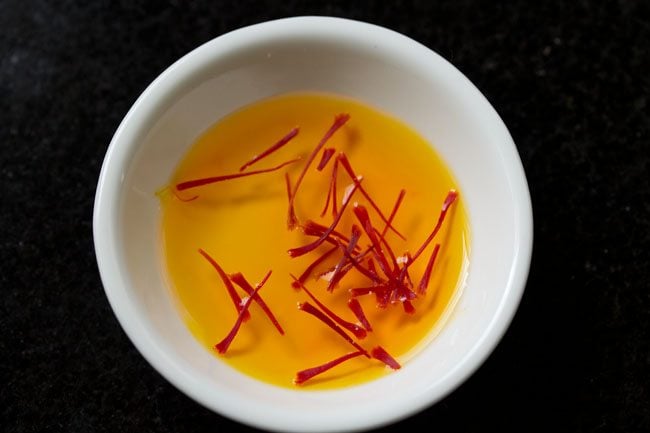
<point x="240" y="226"/>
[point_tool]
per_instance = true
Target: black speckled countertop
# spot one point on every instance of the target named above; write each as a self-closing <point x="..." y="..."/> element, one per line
<point x="570" y="80"/>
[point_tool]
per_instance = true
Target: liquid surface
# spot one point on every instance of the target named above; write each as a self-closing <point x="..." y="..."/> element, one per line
<point x="242" y="224"/>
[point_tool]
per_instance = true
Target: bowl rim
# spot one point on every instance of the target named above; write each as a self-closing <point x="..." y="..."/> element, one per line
<point x="107" y="202"/>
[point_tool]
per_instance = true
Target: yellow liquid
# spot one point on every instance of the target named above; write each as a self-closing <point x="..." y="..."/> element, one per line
<point x="242" y="224"/>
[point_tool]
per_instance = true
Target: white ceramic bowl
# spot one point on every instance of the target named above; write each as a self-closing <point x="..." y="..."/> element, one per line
<point x="358" y="60"/>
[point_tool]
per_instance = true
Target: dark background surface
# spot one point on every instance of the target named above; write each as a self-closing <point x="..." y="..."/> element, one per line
<point x="570" y="80"/>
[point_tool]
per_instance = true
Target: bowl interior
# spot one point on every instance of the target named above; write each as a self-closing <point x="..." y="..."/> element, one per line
<point x="373" y="65"/>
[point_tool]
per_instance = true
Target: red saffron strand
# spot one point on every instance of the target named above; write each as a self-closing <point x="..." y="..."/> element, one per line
<point x="404" y="293"/>
<point x="312" y="228"/>
<point x="348" y="167"/>
<point x="309" y="269"/>
<point x="239" y="279"/>
<point x="338" y="274"/>
<point x="331" y="191"/>
<point x="299" y="251"/>
<point x="333" y="183"/>
<point x="352" y="261"/>
<point x="224" y="344"/>
<point x="226" y="281"/>
<point x="328" y="198"/>
<point x="426" y="276"/>
<point x="361" y="291"/>
<point x="391" y="254"/>
<point x="266" y="277"/>
<point x="369" y="273"/>
<point x="304" y="375"/>
<point x="380" y="354"/>
<point x="451" y="196"/>
<point x="383" y="296"/>
<point x="357" y="310"/>
<point x="405" y="271"/>
<point x="208" y="180"/>
<point x="362" y="215"/>
<point x="398" y="202"/>
<point x="358" y="332"/>
<point x="327" y="155"/>
<point x="310" y="309"/>
<point x="408" y="307"/>
<point x="371" y="266"/>
<point x="183" y="199"/>
<point x="339" y="121"/>
<point x="382" y="293"/>
<point x="330" y="275"/>
<point x="287" y="183"/>
<point x="284" y="140"/>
